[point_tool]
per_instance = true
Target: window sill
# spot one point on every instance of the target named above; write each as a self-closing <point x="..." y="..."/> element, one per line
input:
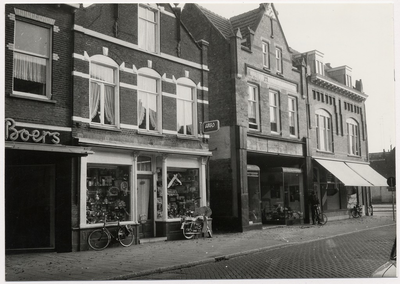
<point x="184" y="137"/>
<point x="280" y="74"/>
<point x="267" y="69"/>
<point x="156" y="134"/>
<point x="104" y="127"/>
<point x="353" y="156"/>
<point x="32" y="97"/>
<point x="325" y="152"/>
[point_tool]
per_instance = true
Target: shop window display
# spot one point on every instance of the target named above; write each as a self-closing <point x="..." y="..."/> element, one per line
<point x="183" y="188"/>
<point x="108" y="193"/>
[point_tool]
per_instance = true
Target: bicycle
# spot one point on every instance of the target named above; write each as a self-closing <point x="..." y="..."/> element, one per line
<point x="356" y="211"/>
<point x="321" y="217"/>
<point x="99" y="239"/>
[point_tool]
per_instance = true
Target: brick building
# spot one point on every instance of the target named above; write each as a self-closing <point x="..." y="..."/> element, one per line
<point x="41" y="165"/>
<point x="140" y="95"/>
<point x="258" y="162"/>
<point x="385" y="164"/>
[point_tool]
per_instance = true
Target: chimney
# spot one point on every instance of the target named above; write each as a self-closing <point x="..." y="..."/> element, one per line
<point x="359" y="86"/>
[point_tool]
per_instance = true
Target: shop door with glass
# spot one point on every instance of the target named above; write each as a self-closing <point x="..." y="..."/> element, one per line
<point x="145" y="205"/>
<point x="29" y="207"/>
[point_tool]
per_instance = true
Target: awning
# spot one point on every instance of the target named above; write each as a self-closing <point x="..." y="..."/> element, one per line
<point x="48" y="148"/>
<point x="344" y="173"/>
<point x="368" y="173"/>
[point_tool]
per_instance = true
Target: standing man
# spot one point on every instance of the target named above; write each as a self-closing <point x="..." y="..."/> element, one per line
<point x="314" y="201"/>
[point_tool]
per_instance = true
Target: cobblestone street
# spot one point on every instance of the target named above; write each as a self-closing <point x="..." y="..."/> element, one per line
<point x="348" y="256"/>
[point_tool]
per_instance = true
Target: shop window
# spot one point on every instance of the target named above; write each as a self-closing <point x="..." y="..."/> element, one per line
<point x="148" y="28"/>
<point x="32" y="59"/>
<point x="183" y="188"/>
<point x="253" y="107"/>
<point x="103" y="95"/>
<point x="185" y="110"/>
<point x="148" y="103"/>
<point x="108" y="193"/>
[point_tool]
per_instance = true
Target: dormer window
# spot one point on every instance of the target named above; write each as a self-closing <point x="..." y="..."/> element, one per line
<point x="148" y="28"/>
<point x="348" y="81"/>
<point x="319" y="67"/>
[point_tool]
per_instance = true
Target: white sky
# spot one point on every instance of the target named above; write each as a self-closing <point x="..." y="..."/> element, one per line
<point x="359" y="35"/>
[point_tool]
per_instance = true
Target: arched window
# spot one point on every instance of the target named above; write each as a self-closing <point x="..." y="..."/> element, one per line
<point x="353" y="137"/>
<point x="149" y="109"/>
<point x="103" y="91"/>
<point x="186" y="107"/>
<point x="323" y="122"/>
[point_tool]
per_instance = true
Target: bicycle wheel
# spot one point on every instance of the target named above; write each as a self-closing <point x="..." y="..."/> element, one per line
<point x="322" y="218"/>
<point x="126" y="236"/>
<point x="355" y="214"/>
<point x="99" y="239"/>
<point x="187" y="231"/>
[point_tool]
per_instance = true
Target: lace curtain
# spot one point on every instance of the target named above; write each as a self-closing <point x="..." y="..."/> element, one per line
<point x="29" y="68"/>
<point x="147" y="101"/>
<point x="109" y="104"/>
<point x="94" y="101"/>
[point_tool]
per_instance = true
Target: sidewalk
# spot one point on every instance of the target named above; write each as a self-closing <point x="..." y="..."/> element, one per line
<point x="121" y="263"/>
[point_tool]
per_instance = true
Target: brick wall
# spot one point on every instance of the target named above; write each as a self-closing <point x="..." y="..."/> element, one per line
<point x="57" y="113"/>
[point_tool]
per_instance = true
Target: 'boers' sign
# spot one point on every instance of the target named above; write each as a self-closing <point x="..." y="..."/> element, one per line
<point x="13" y="134"/>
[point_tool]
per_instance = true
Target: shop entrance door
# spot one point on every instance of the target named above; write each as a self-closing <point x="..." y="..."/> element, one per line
<point x="145" y="204"/>
<point x="29" y="207"/>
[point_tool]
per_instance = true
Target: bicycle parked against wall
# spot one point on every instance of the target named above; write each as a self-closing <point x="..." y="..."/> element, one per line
<point x="99" y="239"/>
<point x="321" y="217"/>
<point x="356" y="211"/>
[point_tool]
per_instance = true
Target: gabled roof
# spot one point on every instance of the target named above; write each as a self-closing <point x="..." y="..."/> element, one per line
<point x="243" y="22"/>
<point x="247" y="20"/>
<point x="221" y="24"/>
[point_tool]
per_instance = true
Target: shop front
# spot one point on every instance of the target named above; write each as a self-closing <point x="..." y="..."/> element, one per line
<point x="282" y="196"/>
<point x="149" y="190"/>
<point x="342" y="184"/>
<point x="40" y="177"/>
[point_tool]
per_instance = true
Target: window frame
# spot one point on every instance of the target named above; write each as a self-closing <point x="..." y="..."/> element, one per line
<point x="150" y="73"/>
<point x="278" y="57"/>
<point x="265" y="54"/>
<point x="276" y="110"/>
<point x="256" y="102"/>
<point x="49" y="60"/>
<point x="323" y="132"/>
<point x="184" y="82"/>
<point x="353" y="137"/>
<point x="104" y="61"/>
<point x="143" y="45"/>
<point x="294" y="113"/>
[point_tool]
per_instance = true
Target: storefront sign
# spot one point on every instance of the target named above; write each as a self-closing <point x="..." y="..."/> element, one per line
<point x="25" y="135"/>
<point x="210" y="126"/>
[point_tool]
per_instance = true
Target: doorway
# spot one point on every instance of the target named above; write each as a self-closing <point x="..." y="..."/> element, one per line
<point x="145" y="203"/>
<point x="29" y="207"/>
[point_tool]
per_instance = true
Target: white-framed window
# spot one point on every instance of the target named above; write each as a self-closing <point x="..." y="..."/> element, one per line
<point x="292" y="105"/>
<point x="32" y="59"/>
<point x="348" y="81"/>
<point x="103" y="91"/>
<point x="148" y="28"/>
<point x="353" y="137"/>
<point x="323" y="129"/>
<point x="278" y="54"/>
<point x="186" y="108"/>
<point x="319" y="67"/>
<point x="149" y="113"/>
<point x="253" y="107"/>
<point x="274" y="111"/>
<point x="265" y="52"/>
